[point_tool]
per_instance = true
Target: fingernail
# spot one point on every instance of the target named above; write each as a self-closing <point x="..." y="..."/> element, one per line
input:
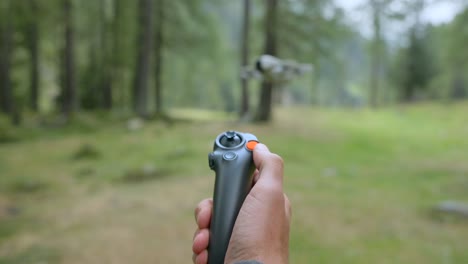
<point x="261" y="147"/>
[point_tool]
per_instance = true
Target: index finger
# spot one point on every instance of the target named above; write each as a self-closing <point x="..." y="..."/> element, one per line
<point x="203" y="213"/>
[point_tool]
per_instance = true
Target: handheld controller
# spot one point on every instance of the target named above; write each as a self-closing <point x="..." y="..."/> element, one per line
<point x="232" y="161"/>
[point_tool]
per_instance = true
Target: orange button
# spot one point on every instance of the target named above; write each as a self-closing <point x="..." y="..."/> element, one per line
<point x="251" y="144"/>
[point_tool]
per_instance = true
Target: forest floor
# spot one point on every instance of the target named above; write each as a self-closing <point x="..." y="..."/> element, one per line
<point x="362" y="185"/>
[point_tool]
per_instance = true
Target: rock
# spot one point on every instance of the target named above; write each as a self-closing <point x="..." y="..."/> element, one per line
<point x="453" y="209"/>
<point x="149" y="169"/>
<point x="13" y="210"/>
<point x="135" y="124"/>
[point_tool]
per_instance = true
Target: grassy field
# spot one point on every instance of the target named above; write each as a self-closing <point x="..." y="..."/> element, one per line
<point x="362" y="185"/>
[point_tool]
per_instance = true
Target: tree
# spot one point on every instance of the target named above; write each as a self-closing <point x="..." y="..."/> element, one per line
<point x="315" y="32"/>
<point x="457" y="55"/>
<point x="378" y="10"/>
<point x="144" y="44"/>
<point x="107" y="51"/>
<point x="32" y="40"/>
<point x="266" y="90"/>
<point x="96" y="79"/>
<point x="6" y="52"/>
<point x="417" y="65"/>
<point x="158" y="55"/>
<point x="68" y="96"/>
<point x="245" y="58"/>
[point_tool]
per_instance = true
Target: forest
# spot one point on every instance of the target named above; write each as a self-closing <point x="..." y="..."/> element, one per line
<point x="148" y="57"/>
<point x="108" y="109"/>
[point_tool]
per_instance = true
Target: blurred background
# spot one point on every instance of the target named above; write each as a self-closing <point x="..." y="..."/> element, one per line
<point x="108" y="109"/>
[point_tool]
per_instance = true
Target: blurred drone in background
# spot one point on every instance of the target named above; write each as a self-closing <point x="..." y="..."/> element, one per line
<point x="274" y="70"/>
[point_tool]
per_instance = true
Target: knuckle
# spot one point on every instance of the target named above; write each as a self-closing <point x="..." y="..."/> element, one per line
<point x="274" y="191"/>
<point x="276" y="159"/>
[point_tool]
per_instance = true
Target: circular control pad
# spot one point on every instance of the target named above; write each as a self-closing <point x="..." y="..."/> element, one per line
<point x="230" y="139"/>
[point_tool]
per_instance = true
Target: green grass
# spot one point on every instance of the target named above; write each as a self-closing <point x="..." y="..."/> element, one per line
<point x="362" y="184"/>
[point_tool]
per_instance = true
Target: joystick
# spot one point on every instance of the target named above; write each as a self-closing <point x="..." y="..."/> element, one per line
<point x="232" y="161"/>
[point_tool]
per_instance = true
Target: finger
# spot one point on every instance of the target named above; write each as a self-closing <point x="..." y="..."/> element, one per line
<point x="200" y="241"/>
<point x="195" y="234"/>
<point x="202" y="204"/>
<point x="203" y="213"/>
<point x="270" y="167"/>
<point x="202" y="258"/>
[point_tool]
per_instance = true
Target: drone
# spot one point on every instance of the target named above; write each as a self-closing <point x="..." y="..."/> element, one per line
<point x="275" y="70"/>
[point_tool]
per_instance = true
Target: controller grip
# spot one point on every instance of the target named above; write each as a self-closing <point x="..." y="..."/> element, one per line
<point x="232" y="184"/>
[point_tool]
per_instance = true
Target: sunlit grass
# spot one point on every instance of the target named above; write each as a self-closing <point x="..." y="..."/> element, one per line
<point x="361" y="182"/>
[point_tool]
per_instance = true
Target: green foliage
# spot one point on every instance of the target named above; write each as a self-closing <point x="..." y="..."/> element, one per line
<point x="86" y="151"/>
<point x="27" y="185"/>
<point x="8" y="133"/>
<point x="414" y="68"/>
<point x="307" y="32"/>
<point x="200" y="52"/>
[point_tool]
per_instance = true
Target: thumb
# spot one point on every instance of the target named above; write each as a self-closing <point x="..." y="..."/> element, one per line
<point x="270" y="167"/>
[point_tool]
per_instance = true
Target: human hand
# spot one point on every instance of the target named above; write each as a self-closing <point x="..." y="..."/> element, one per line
<point x="261" y="231"/>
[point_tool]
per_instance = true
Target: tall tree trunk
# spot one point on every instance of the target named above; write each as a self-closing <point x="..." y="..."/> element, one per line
<point x="315" y="85"/>
<point x="266" y="91"/>
<point x="117" y="62"/>
<point x="158" y="56"/>
<point x="6" y="51"/>
<point x="69" y="85"/>
<point x="376" y="54"/>
<point x="33" y="48"/>
<point x="144" y="45"/>
<point x="245" y="58"/>
<point x="105" y="79"/>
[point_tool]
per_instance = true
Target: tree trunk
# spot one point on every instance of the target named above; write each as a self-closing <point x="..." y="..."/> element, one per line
<point x="106" y="78"/>
<point x="6" y="51"/>
<point x="158" y="56"/>
<point x="266" y="91"/>
<point x="376" y="56"/>
<point x="245" y="59"/>
<point x="315" y="85"/>
<point x="144" y="45"/>
<point x="120" y="90"/>
<point x="69" y="85"/>
<point x="33" y="48"/>
<point x="7" y="100"/>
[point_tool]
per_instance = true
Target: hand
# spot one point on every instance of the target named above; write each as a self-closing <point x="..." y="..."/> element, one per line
<point x="261" y="231"/>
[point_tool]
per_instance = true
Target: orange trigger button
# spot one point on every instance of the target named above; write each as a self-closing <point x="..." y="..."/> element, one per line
<point x="251" y="145"/>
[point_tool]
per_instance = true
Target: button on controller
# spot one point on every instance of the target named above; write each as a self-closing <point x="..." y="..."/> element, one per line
<point x="229" y="156"/>
<point x="211" y="161"/>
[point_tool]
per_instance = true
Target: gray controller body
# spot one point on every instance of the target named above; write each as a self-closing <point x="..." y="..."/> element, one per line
<point x="232" y="161"/>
